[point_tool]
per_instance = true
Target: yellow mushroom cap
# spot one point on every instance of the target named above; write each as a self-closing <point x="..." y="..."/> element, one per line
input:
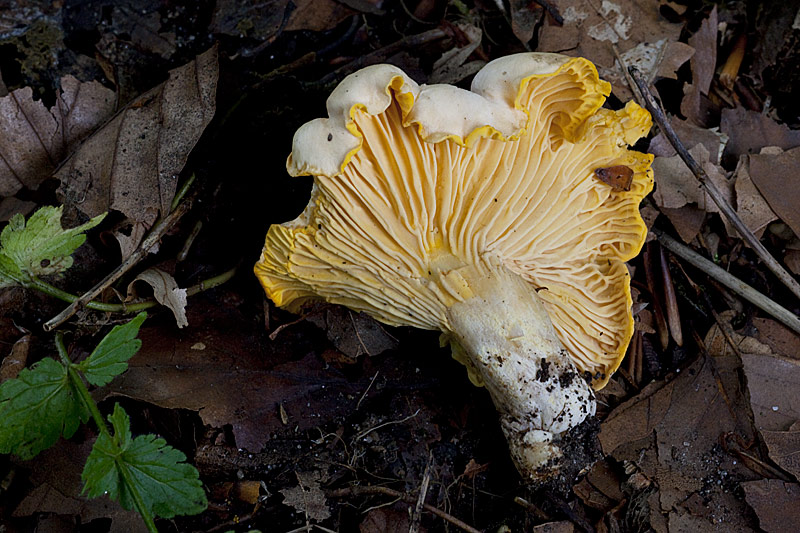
<point x="407" y="177"/>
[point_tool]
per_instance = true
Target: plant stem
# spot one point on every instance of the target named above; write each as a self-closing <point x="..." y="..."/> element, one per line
<point x="137" y="498"/>
<point x="65" y="296"/>
<point x="83" y="393"/>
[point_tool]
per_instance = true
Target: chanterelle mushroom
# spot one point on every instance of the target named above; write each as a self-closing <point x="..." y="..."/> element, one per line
<point x="478" y="213"/>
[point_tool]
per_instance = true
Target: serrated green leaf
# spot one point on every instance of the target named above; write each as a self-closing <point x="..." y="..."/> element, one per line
<point x="110" y="358"/>
<point x="40" y="246"/>
<point x="166" y="484"/>
<point x="37" y="407"/>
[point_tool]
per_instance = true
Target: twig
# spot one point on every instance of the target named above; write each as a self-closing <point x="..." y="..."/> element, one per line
<point x="386" y="491"/>
<point x="412" y="41"/>
<point x="367" y="390"/>
<point x="736" y="285"/>
<point x="416" y="516"/>
<point x="660" y="118"/>
<point x="652" y="285"/>
<point x="673" y="313"/>
<point x="141" y="251"/>
<point x="389" y="423"/>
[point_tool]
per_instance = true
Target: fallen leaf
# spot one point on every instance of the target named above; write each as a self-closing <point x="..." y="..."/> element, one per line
<point x="16" y="360"/>
<point x="671" y="431"/>
<point x="235" y="380"/>
<point x="165" y="291"/>
<point x="776" y="177"/>
<point x="776" y="503"/>
<point x="385" y="520"/>
<point x="590" y="28"/>
<point x="774" y="384"/>
<point x="353" y="334"/>
<point x="654" y="60"/>
<point x="307" y="497"/>
<point x="781" y="340"/>
<point x="792" y="260"/>
<point x="784" y="448"/>
<point x="694" y="106"/>
<point x="676" y="186"/>
<point x="318" y="15"/>
<point x="688" y="221"/>
<point x="751" y="206"/>
<point x="750" y="131"/>
<point x="11" y="205"/>
<point x="56" y="480"/>
<point x="524" y="17"/>
<point x="259" y="20"/>
<point x="132" y="163"/>
<point x="690" y="135"/>
<point x="35" y="139"/>
<point x="452" y="66"/>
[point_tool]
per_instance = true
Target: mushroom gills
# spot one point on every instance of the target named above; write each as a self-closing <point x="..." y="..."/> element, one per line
<point x="511" y="347"/>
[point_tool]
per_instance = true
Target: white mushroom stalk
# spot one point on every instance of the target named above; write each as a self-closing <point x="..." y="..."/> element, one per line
<point x="478" y="213"/>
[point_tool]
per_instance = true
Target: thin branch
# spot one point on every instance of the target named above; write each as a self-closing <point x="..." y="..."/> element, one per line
<point x="660" y="118"/>
<point x="736" y="285"/>
<point x="141" y="251"/>
<point x="386" y="491"/>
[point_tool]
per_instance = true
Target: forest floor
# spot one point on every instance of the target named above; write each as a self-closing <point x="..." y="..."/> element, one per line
<point x="330" y="421"/>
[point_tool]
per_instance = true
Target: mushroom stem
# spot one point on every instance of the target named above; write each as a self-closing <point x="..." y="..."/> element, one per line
<point x="511" y="347"/>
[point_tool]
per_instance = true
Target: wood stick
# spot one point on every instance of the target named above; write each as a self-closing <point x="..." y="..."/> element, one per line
<point x="660" y="117"/>
<point x="733" y="283"/>
<point x="141" y="251"/>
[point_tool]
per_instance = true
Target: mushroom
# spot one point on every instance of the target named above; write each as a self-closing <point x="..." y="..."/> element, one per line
<point x="478" y="213"/>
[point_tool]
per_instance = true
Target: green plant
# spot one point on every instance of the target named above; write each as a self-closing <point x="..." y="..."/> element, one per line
<point x="51" y="399"/>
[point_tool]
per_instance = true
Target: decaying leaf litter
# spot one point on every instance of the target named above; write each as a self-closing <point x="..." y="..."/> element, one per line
<point x="297" y="428"/>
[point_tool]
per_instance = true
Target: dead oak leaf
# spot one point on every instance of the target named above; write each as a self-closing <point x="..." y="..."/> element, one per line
<point x="165" y="291"/>
<point x="35" y="139"/>
<point x="591" y="27"/>
<point x="132" y="163"/>
<point x="784" y="448"/>
<point x="776" y="503"/>
<point x="775" y="176"/>
<point x="307" y="498"/>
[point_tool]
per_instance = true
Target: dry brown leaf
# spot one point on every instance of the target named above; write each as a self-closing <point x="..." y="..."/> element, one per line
<point x="592" y="26"/>
<point x="307" y="497"/>
<point x="751" y="206"/>
<point x="784" y="448"/>
<point x="56" y="480"/>
<point x="781" y="340"/>
<point x="750" y="131"/>
<point x="672" y="430"/>
<point x="690" y="135"/>
<point x="35" y="139"/>
<point x="318" y="15"/>
<point x="235" y="379"/>
<point x="452" y="67"/>
<point x="792" y="260"/>
<point x="777" y="179"/>
<point x="654" y="60"/>
<point x="776" y="503"/>
<point x="165" y="291"/>
<point x="385" y="520"/>
<point x="353" y="334"/>
<point x="774" y="384"/>
<point x="524" y="17"/>
<point x="11" y="205"/>
<point x="15" y="361"/>
<point x="694" y="106"/>
<point x="676" y="186"/>
<point x="132" y="163"/>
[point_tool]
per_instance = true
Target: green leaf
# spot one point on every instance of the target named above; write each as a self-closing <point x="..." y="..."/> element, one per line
<point x="40" y="246"/>
<point x="146" y="467"/>
<point x="37" y="407"/>
<point x="110" y="358"/>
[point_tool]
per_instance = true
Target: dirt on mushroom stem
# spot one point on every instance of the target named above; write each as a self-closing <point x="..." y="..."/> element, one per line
<point x="508" y="342"/>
